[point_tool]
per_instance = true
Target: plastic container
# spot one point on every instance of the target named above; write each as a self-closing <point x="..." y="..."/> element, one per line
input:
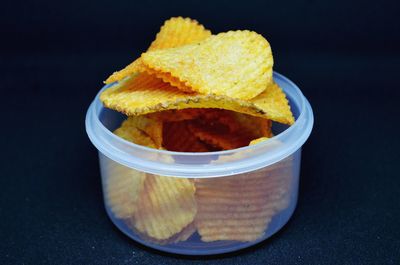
<point x="201" y="203"/>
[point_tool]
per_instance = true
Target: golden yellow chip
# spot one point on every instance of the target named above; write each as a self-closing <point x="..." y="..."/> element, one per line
<point x="178" y="31"/>
<point x="165" y="206"/>
<point x="144" y="94"/>
<point x="175" y="32"/>
<point x="167" y="78"/>
<point x="177" y="137"/>
<point x="237" y="64"/>
<point x="122" y="186"/>
<point x="240" y="207"/>
<point x="153" y="128"/>
<point x="130" y="132"/>
<point x="255" y="126"/>
<point x="273" y="101"/>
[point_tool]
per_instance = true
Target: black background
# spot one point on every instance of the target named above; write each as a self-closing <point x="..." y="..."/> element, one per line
<point x="344" y="55"/>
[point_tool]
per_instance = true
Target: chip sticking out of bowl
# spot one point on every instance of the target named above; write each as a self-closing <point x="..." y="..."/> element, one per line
<point x="144" y="93"/>
<point x="175" y="32"/>
<point x="237" y="64"/>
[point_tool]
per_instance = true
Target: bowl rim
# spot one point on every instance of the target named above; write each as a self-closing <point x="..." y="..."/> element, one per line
<point x="102" y="138"/>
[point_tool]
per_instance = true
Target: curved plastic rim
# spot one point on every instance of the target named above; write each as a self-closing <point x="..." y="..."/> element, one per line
<point x="98" y="135"/>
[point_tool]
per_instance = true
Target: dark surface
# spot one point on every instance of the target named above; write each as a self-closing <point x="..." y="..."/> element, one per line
<point x="344" y="56"/>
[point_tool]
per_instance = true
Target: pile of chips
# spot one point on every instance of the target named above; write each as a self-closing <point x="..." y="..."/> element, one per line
<point x="192" y="91"/>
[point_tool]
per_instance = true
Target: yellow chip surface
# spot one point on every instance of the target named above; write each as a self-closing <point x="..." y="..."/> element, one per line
<point x="122" y="187"/>
<point x="175" y="32"/>
<point x="144" y="94"/>
<point x="237" y="64"/>
<point x="166" y="206"/>
<point x="130" y="132"/>
<point x="273" y="101"/>
<point x="178" y="31"/>
<point x="241" y="207"/>
<point x="151" y="127"/>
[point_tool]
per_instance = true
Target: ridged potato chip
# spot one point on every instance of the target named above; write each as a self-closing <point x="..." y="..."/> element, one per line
<point x="166" y="205"/>
<point x="237" y="64"/>
<point x="130" y="132"/>
<point x="143" y="94"/>
<point x="240" y="207"/>
<point x="122" y="187"/>
<point x="153" y="128"/>
<point x="175" y="32"/>
<point x="227" y="129"/>
<point x="122" y="184"/>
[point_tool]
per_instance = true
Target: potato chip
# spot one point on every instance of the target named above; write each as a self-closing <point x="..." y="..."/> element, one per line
<point x="177" y="137"/>
<point x="167" y="78"/>
<point x="240" y="207"/>
<point x="122" y="187"/>
<point x="274" y="102"/>
<point x="237" y="64"/>
<point x="178" y="31"/>
<point x="151" y="127"/>
<point x="130" y="132"/>
<point x="175" y="32"/>
<point x="144" y="94"/>
<point x="165" y="206"/>
<point x="227" y="129"/>
<point x="122" y="184"/>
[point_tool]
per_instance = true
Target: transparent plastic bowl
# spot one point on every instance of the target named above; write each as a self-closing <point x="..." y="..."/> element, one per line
<point x="201" y="203"/>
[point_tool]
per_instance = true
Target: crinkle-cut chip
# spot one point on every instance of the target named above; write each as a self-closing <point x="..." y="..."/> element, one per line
<point x="227" y="129"/>
<point x="178" y="31"/>
<point x="255" y="126"/>
<point x="122" y="187"/>
<point x="273" y="101"/>
<point x="240" y="207"/>
<point x="151" y="127"/>
<point x="130" y="69"/>
<point x="177" y="137"/>
<point x="167" y="78"/>
<point x="258" y="140"/>
<point x="236" y="64"/>
<point x="165" y="206"/>
<point x="175" y="32"/>
<point x="130" y="132"/>
<point x="143" y="94"/>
